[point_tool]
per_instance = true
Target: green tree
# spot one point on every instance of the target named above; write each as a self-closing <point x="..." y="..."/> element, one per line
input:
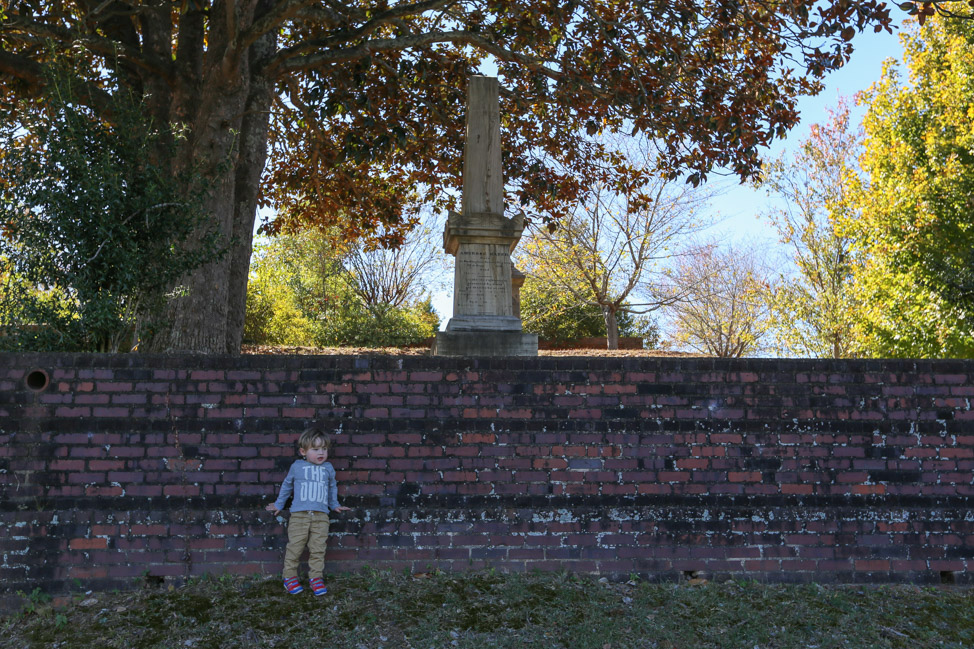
<point x="94" y="233"/>
<point x="286" y="287"/>
<point x="557" y="315"/>
<point x="812" y="309"/>
<point x="915" y="225"/>
<point x="303" y="291"/>
<point x="349" y="322"/>
<point x="355" y="105"/>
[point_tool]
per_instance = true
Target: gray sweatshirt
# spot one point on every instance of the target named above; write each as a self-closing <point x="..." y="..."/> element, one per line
<point x="313" y="486"/>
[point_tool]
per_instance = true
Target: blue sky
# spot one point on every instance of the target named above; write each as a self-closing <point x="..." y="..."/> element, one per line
<point x="740" y="206"/>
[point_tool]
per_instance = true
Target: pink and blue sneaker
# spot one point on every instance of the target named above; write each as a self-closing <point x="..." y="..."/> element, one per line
<point x="293" y="586"/>
<point x="318" y="586"/>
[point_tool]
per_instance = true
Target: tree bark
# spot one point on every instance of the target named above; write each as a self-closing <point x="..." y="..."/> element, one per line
<point x="611" y="327"/>
<point x="214" y="97"/>
<point x="253" y="155"/>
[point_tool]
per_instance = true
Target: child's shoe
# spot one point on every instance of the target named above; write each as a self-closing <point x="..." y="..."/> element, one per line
<point x="318" y="586"/>
<point x="293" y="586"/>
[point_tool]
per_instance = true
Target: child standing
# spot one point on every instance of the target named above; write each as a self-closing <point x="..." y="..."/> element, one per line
<point x="311" y="482"/>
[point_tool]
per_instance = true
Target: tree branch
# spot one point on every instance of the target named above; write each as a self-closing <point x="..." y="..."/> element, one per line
<point x="393" y="15"/>
<point x="281" y="12"/>
<point x="34" y="75"/>
<point x="287" y="61"/>
<point x="110" y="49"/>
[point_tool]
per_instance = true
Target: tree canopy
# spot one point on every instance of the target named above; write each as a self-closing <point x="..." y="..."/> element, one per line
<point x="558" y="303"/>
<point x="357" y="106"/>
<point x="914" y="224"/>
<point x="303" y="291"/>
<point x="615" y="248"/>
<point x="726" y="314"/>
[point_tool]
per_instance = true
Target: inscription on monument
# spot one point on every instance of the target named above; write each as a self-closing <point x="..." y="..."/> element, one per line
<point x="484" y="284"/>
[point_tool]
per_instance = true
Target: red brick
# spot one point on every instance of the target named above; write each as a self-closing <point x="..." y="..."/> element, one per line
<point x="550" y="463"/>
<point x="872" y="565"/>
<point x="106" y="465"/>
<point x="181" y="490"/>
<point x="804" y="489"/>
<point x="207" y="375"/>
<point x="88" y="544"/>
<point x="725" y="438"/>
<point x="459" y="476"/>
<point x="86" y="478"/>
<point x="208" y="544"/>
<point x="104" y="491"/>
<point x="298" y="413"/>
<point x="67" y="412"/>
<point x="673" y="476"/>
<point x="869" y="489"/>
<point x="67" y="465"/>
<point x="89" y="572"/>
<point x="744" y="476"/>
<point x="426" y="377"/>
<point x="142" y="490"/>
<point x="388" y="451"/>
<point x="519" y="413"/>
<point x="110" y="412"/>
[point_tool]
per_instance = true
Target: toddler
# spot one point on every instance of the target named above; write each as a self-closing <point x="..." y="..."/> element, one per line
<point x="311" y="482"/>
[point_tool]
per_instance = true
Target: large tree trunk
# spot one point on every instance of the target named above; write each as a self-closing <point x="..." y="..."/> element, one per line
<point x="253" y="155"/>
<point x="611" y="327"/>
<point x="198" y="312"/>
<point x="228" y="146"/>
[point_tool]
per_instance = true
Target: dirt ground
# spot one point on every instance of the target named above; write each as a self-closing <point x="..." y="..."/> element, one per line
<point x="423" y="351"/>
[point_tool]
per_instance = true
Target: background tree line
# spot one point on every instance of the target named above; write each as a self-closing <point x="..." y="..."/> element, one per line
<point x="305" y="291"/>
<point x="346" y="114"/>
<point x="881" y="223"/>
<point x="875" y="223"/>
<point x="878" y="224"/>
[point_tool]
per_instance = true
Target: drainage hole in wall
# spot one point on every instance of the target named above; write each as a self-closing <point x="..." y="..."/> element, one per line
<point x="947" y="577"/>
<point x="154" y="581"/>
<point x="37" y="380"/>
<point x="690" y="574"/>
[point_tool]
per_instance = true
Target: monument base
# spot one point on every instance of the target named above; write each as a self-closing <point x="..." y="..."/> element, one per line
<point x="481" y="323"/>
<point x="485" y="343"/>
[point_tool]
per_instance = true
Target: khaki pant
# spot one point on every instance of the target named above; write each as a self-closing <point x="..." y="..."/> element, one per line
<point x="306" y="530"/>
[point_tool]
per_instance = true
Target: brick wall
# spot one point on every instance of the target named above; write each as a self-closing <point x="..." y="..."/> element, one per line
<point x="117" y="467"/>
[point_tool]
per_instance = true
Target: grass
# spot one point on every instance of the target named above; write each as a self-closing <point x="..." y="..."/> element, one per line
<point x="487" y="609"/>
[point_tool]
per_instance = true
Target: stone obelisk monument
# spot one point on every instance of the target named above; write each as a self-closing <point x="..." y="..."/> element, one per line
<point x="485" y="320"/>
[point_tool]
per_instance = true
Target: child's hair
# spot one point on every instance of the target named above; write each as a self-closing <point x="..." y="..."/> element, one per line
<point x="314" y="438"/>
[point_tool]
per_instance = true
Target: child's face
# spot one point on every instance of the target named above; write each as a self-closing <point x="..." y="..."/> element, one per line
<point x="315" y="454"/>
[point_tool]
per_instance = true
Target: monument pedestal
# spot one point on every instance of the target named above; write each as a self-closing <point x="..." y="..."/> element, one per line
<point x="485" y="343"/>
<point x="483" y="323"/>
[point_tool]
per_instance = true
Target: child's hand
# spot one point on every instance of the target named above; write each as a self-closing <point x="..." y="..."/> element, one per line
<point x="343" y="509"/>
<point x="273" y="509"/>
